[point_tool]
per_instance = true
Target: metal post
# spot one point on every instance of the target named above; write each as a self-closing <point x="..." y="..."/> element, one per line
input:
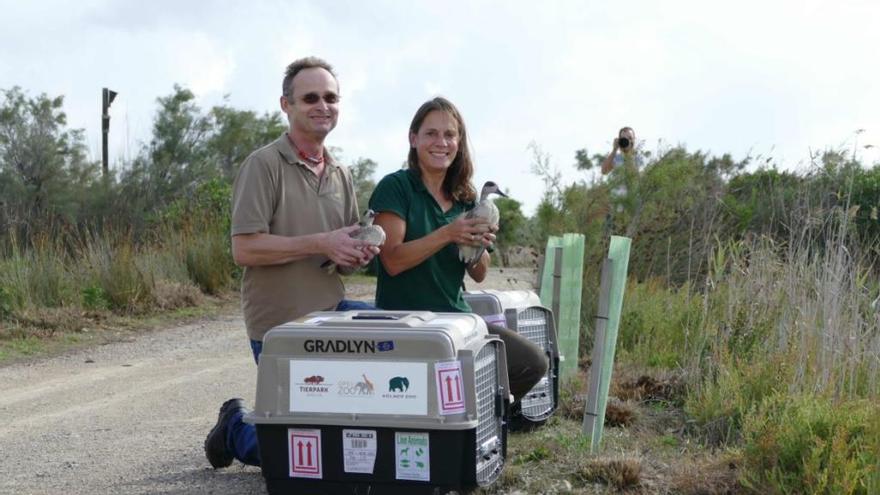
<point x="557" y="283"/>
<point x="107" y="97"/>
<point x="591" y="411"/>
<point x="540" y="278"/>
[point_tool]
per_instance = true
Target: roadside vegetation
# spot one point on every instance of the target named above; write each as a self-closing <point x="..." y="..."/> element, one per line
<point x="749" y="345"/>
<point x="752" y="318"/>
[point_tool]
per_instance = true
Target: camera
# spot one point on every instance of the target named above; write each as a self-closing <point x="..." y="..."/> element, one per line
<point x="623" y="143"/>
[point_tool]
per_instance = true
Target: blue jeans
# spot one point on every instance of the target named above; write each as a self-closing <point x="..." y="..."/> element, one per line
<point x="241" y="437"/>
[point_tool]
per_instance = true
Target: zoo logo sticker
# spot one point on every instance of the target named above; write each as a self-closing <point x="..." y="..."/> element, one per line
<point x="366" y="387"/>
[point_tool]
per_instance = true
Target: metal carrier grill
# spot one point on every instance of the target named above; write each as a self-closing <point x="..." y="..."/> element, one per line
<point x="490" y="458"/>
<point x="537" y="405"/>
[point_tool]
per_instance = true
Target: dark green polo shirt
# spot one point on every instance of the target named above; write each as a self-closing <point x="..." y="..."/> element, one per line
<point x="434" y="284"/>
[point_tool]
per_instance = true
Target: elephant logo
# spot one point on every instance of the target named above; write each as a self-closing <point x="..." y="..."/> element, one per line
<point x="398" y="384"/>
<point x="314" y="379"/>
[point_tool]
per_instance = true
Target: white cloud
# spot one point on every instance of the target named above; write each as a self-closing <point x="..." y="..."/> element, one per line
<point x="753" y="76"/>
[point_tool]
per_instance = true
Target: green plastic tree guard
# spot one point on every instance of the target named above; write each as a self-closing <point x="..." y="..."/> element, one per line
<point x="569" y="301"/>
<point x="605" y="338"/>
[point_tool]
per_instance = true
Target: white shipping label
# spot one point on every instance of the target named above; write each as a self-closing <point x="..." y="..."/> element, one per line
<point x="359" y="450"/>
<point x="364" y="387"/>
<point x="412" y="456"/>
<point x="450" y="387"/>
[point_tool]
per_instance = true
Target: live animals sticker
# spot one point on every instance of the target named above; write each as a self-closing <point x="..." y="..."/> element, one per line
<point x="412" y="459"/>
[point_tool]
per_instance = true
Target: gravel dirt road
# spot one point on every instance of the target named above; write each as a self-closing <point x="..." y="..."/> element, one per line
<point x="130" y="417"/>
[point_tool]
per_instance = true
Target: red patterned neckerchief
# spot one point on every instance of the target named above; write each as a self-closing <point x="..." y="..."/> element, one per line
<point x="310" y="160"/>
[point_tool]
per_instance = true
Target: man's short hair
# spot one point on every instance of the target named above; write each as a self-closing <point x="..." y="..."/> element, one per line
<point x="298" y="65"/>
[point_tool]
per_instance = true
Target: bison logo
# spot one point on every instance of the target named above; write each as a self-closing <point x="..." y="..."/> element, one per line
<point x="398" y="384"/>
<point x="314" y="379"/>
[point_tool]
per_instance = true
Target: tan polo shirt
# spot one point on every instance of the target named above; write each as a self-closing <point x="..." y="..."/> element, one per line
<point x="276" y="193"/>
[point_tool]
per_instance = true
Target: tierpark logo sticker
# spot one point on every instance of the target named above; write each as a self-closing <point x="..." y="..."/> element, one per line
<point x="313" y="385"/>
<point x="412" y="456"/>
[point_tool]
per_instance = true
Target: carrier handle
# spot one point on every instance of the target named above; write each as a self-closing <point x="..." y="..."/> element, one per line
<point x="374" y="316"/>
<point x="401" y="316"/>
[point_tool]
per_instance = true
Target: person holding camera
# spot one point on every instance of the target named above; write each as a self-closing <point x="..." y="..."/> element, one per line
<point x="624" y="148"/>
<point x="626" y="163"/>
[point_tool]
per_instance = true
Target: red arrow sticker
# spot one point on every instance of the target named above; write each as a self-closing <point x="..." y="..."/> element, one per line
<point x="450" y="387"/>
<point x="304" y="453"/>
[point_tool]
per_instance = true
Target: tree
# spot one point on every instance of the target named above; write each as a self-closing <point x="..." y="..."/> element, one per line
<point x="362" y="171"/>
<point x="584" y="161"/>
<point x="237" y="133"/>
<point x="178" y="151"/>
<point x="550" y="175"/>
<point x="43" y="170"/>
<point x="511" y="223"/>
<point x="188" y="149"/>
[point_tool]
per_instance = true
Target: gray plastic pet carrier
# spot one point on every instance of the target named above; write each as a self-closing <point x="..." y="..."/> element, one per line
<point x="522" y="312"/>
<point x="381" y="402"/>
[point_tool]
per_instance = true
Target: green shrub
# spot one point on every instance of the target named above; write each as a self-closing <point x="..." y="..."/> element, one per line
<point x="37" y="277"/>
<point x="111" y="275"/>
<point x="126" y="286"/>
<point x="94" y="297"/>
<point x="206" y="205"/>
<point x="166" y="260"/>
<point x="6" y="303"/>
<point x="719" y="403"/>
<point x="656" y="324"/>
<point x="810" y="444"/>
<point x="49" y="283"/>
<point x="209" y="261"/>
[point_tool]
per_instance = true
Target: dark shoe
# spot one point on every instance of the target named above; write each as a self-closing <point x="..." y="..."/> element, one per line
<point x="515" y="421"/>
<point x="215" y="442"/>
<point x="518" y="423"/>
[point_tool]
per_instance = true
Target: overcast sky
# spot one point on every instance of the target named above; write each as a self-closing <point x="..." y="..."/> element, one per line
<point x="760" y="77"/>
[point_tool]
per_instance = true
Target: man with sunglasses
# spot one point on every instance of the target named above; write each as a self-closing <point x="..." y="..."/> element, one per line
<point x="293" y="208"/>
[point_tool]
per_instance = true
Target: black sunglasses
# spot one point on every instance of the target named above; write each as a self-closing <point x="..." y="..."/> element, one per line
<point x="312" y="98"/>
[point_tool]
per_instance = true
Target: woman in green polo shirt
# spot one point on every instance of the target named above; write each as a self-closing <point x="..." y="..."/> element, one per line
<point x="421" y="208"/>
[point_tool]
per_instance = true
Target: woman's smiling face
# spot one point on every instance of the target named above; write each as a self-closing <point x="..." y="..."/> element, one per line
<point x="436" y="143"/>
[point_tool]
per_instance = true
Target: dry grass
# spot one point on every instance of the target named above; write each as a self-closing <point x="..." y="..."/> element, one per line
<point x="50" y="331"/>
<point x="636" y="385"/>
<point x="573" y="396"/>
<point x="174" y="295"/>
<point x="556" y="460"/>
<point x="619" y="413"/>
<point x="646" y="448"/>
<point x="46" y="322"/>
<point x="707" y="475"/>
<point x="622" y="474"/>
